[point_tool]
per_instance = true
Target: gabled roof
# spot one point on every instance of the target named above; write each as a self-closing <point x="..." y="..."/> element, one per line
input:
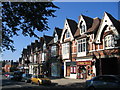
<point x="115" y="22"/>
<point x="72" y="25"/>
<point x="77" y="33"/>
<point x="88" y="20"/>
<point x="101" y="29"/>
<point x="72" y="28"/>
<point x="95" y="26"/>
<point x="58" y="31"/>
<point x="47" y="39"/>
<point x="51" y="42"/>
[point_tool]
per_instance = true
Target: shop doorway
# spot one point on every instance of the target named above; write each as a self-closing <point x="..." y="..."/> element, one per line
<point x="81" y="72"/>
<point x="68" y="71"/>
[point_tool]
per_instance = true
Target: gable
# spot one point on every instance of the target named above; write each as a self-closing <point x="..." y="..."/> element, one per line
<point x="106" y="26"/>
<point x="66" y="29"/>
<point x="82" y="22"/>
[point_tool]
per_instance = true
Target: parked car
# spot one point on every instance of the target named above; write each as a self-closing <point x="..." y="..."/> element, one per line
<point x="40" y="79"/>
<point x="18" y="75"/>
<point x="6" y="74"/>
<point x="10" y="77"/>
<point x="104" y="82"/>
<point x="26" y="78"/>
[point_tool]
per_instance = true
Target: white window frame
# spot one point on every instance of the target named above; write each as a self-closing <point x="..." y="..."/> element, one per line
<point x="66" y="48"/>
<point x="55" y="38"/>
<point x="67" y="35"/>
<point x="109" y="42"/>
<point x="44" y="46"/>
<point x="54" y="50"/>
<point x="83" y="29"/>
<point x="80" y="48"/>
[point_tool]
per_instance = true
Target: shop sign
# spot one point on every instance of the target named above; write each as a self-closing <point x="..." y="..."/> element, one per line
<point x="84" y="63"/>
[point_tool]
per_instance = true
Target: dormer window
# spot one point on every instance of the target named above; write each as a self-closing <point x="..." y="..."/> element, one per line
<point x="67" y="34"/>
<point x="109" y="41"/>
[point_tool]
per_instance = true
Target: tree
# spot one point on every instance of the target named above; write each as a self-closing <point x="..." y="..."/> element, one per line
<point x="25" y="18"/>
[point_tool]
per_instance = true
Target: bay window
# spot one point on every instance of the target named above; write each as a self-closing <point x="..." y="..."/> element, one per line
<point x="82" y="45"/>
<point x="109" y="41"/>
<point x="54" y="51"/>
<point x="65" y="48"/>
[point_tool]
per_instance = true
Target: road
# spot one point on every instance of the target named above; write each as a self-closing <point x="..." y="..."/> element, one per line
<point x="56" y="84"/>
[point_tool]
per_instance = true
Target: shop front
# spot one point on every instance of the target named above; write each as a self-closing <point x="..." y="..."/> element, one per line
<point x="70" y="70"/>
<point x="84" y="69"/>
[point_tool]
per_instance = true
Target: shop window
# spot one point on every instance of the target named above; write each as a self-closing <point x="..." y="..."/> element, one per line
<point x="73" y="69"/>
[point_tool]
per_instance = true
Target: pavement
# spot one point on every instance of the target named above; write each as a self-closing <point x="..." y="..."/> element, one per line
<point x="67" y="81"/>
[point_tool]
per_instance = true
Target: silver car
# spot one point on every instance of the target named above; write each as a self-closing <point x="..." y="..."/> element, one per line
<point x="104" y="82"/>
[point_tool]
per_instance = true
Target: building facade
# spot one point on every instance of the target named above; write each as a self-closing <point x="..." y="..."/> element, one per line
<point x="80" y="50"/>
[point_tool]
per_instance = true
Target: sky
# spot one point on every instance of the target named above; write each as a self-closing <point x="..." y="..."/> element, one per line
<point x="70" y="10"/>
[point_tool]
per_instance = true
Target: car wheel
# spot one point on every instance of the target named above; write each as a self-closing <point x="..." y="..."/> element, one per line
<point x="26" y="81"/>
<point x="31" y="82"/>
<point x="91" y="88"/>
<point x="39" y="83"/>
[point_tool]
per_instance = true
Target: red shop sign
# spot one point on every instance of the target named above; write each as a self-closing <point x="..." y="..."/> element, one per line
<point x="84" y="63"/>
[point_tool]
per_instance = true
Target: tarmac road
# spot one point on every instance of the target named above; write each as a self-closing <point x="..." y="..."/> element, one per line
<point x="68" y="84"/>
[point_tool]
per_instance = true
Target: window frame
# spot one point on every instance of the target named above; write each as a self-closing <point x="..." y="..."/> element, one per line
<point x="109" y="41"/>
<point x="67" y="35"/>
<point x="81" y="45"/>
<point x="54" y="50"/>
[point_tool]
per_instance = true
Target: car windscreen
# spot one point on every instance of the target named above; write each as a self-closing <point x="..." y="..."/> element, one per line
<point x="29" y="75"/>
<point x="40" y="76"/>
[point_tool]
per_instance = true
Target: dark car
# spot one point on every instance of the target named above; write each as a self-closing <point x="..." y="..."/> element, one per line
<point x="18" y="75"/>
<point x="6" y="74"/>
<point x="103" y="82"/>
<point x="26" y="78"/>
<point x="10" y="77"/>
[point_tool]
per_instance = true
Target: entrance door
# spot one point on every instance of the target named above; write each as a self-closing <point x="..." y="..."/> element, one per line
<point x="68" y="71"/>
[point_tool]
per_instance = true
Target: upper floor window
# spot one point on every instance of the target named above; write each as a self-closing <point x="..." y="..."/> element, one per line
<point x="53" y="50"/>
<point x="44" y="46"/>
<point x="109" y="41"/>
<point x="65" y="47"/>
<point x="67" y="34"/>
<point x="82" y="45"/>
<point x="56" y="38"/>
<point x="83" y="29"/>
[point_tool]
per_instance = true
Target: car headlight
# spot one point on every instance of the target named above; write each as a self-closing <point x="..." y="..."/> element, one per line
<point x="40" y="80"/>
